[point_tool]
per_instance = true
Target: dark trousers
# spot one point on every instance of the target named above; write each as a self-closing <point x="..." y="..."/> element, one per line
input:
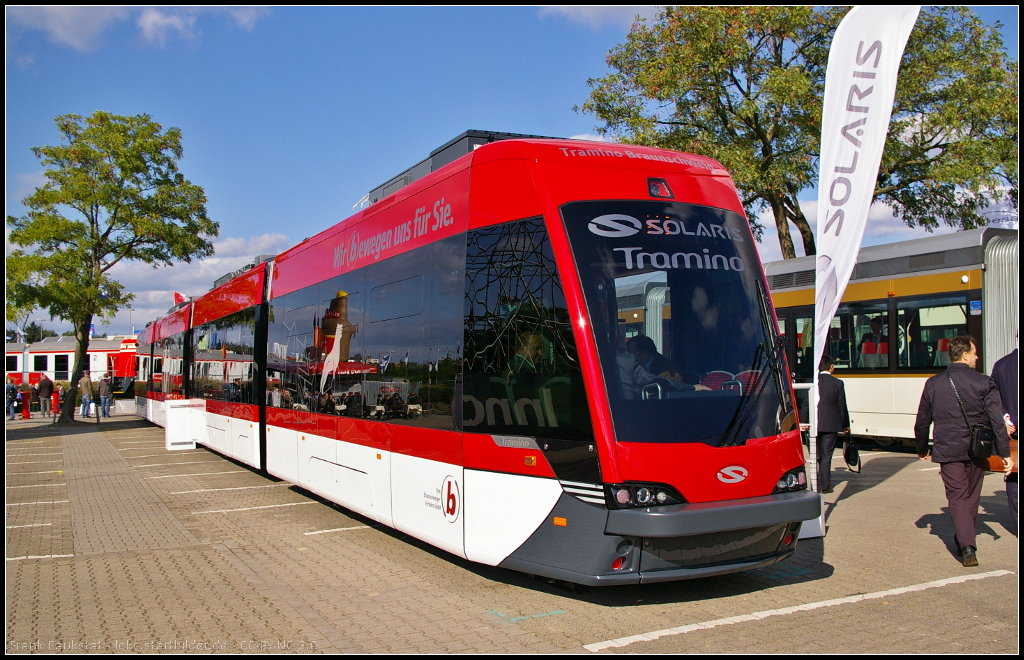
<point x="962" y="480"/>
<point x="826" y="445"/>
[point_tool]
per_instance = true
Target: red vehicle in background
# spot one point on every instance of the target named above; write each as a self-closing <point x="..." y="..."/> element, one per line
<point x="553" y="356"/>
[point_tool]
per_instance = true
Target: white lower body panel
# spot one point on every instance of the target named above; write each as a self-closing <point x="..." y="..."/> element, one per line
<point x="427" y="501"/>
<point x="503" y="511"/>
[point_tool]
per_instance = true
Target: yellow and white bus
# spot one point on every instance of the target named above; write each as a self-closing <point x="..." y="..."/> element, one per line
<point x="903" y="304"/>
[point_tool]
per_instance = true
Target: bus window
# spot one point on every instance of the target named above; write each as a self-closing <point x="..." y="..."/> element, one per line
<point x="925" y="328"/>
<point x="859" y="336"/>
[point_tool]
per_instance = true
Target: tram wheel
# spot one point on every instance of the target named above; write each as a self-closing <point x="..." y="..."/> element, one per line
<point x="885" y="442"/>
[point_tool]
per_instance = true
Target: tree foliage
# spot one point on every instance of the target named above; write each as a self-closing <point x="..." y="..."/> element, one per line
<point x="744" y="85"/>
<point x="113" y="193"/>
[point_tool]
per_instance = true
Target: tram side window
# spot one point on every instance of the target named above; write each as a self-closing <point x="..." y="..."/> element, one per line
<point x="293" y="352"/>
<point x="169" y="368"/>
<point x="859" y="336"/>
<point x="412" y="329"/>
<point x="522" y="372"/>
<point x="925" y="328"/>
<point x="222" y="365"/>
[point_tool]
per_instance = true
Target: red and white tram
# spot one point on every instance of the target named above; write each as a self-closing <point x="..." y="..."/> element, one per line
<point x="553" y="356"/>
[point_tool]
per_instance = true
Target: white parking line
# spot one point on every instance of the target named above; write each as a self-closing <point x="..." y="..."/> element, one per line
<point x="339" y="529"/>
<point x="39" y="485"/>
<point x="38" y="557"/>
<point x="43" y="472"/>
<point x="211" y="490"/>
<point x="52" y="453"/>
<point x="928" y="469"/>
<point x="32" y="525"/>
<point x="195" y="474"/>
<point x="707" y="625"/>
<point x="170" y="464"/>
<point x="56" y="460"/>
<point x="26" y="503"/>
<point x="177" y="453"/>
<point x="253" y="508"/>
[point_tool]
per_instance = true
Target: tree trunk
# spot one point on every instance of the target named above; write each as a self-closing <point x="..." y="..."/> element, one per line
<point x="782" y="224"/>
<point x="81" y="364"/>
<point x="805" y="229"/>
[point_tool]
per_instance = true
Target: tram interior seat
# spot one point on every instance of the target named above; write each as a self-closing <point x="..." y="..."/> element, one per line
<point x="747" y="379"/>
<point x="715" y="379"/>
<point x="942" y="353"/>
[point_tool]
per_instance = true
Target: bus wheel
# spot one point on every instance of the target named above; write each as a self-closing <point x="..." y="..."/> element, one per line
<point x="885" y="442"/>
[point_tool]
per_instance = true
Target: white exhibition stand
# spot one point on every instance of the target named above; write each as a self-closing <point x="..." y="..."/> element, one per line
<point x="814" y="528"/>
<point x="186" y="423"/>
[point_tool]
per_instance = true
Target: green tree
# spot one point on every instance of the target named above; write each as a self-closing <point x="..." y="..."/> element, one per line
<point x="35" y="332"/>
<point x="744" y="85"/>
<point x="113" y="194"/>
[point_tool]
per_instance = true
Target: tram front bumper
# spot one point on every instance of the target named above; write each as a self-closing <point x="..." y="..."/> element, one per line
<point x="706" y="517"/>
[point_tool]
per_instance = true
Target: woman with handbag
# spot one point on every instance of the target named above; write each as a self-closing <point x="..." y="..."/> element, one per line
<point x="965" y="408"/>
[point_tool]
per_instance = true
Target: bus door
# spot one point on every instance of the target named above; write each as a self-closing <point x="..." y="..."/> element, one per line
<point x="797" y="324"/>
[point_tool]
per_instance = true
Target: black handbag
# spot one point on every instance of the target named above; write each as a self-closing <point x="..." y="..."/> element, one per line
<point x="983" y="438"/>
<point x="851" y="454"/>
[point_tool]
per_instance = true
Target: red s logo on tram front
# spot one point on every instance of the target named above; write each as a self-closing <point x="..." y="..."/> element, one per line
<point x="450" y="500"/>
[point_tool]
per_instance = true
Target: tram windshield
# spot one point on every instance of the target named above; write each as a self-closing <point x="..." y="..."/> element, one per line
<point x="681" y="320"/>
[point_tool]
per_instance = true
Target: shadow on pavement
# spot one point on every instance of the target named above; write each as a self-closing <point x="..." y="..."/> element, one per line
<point x="873" y="473"/>
<point x="993" y="517"/>
<point x="805" y="565"/>
<point x="44" y="429"/>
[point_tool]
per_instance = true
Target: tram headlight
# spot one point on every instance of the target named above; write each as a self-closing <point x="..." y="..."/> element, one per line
<point x="638" y="495"/>
<point x="793" y="480"/>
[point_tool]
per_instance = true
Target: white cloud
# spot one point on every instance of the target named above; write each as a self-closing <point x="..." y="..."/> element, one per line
<point x="589" y="136"/>
<point x="157" y="25"/>
<point x="78" y="27"/>
<point x="82" y="28"/>
<point x="598" y="17"/>
<point x="246" y="17"/>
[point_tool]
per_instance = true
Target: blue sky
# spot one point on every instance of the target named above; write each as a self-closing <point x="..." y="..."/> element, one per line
<point x="290" y="115"/>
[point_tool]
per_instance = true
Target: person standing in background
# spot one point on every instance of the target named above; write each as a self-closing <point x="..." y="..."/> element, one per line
<point x="45" y="395"/>
<point x="85" y="385"/>
<point x="1005" y="373"/>
<point x="106" y="393"/>
<point x="833" y="419"/>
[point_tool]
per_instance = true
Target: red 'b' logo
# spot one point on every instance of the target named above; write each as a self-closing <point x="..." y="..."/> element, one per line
<point x="451" y="503"/>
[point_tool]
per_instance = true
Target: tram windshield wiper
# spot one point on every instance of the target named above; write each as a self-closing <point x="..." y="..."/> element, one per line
<point x="770" y="351"/>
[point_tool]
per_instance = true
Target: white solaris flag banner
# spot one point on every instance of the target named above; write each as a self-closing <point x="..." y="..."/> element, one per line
<point x="860" y="84"/>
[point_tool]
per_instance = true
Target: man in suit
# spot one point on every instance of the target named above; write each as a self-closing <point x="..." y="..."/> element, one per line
<point x="833" y="418"/>
<point x="941" y="405"/>
<point x="1005" y="373"/>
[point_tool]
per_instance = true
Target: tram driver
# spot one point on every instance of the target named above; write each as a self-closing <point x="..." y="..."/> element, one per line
<point x="643" y="365"/>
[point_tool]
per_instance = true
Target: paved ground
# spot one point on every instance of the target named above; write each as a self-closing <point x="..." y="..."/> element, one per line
<point x="114" y="544"/>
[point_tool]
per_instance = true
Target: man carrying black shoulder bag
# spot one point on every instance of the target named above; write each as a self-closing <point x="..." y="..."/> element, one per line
<point x="965" y="408"/>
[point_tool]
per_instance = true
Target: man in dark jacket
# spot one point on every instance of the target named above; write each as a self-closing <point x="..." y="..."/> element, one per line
<point x="45" y="395"/>
<point x="833" y="419"/>
<point x="961" y="475"/>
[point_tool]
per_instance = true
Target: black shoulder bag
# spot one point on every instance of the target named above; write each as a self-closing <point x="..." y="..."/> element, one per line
<point x="983" y="438"/>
